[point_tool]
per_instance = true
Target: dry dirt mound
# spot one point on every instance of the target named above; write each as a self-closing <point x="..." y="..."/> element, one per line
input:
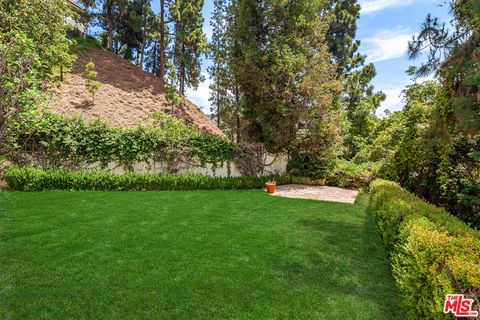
<point x="128" y="94"/>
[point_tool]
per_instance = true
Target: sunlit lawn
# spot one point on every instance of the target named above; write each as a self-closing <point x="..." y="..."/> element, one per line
<point x="189" y="255"/>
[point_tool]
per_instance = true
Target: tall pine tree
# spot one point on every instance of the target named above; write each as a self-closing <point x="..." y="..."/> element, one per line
<point x="283" y="70"/>
<point x="189" y="42"/>
<point x="358" y="96"/>
<point x="220" y="75"/>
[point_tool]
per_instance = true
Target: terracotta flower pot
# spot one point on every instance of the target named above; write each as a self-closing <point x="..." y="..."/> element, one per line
<point x="478" y="96"/>
<point x="270" y="187"/>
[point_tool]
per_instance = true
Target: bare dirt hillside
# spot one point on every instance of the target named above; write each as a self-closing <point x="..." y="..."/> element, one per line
<point x="128" y="94"/>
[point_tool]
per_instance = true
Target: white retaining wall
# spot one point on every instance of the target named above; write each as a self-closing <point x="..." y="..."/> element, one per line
<point x="274" y="164"/>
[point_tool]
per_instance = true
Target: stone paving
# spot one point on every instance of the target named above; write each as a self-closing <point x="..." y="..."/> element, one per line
<point x="316" y="193"/>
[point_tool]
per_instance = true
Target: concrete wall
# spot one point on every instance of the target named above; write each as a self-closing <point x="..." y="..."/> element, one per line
<point x="273" y="165"/>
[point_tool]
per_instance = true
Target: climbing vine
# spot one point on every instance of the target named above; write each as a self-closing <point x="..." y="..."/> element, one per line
<point x="49" y="140"/>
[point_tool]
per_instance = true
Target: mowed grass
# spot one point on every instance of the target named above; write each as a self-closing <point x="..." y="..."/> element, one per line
<point x="190" y="255"/>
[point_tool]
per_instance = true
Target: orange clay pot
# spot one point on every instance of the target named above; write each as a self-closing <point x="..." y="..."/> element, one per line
<point x="270" y="187"/>
<point x="478" y="96"/>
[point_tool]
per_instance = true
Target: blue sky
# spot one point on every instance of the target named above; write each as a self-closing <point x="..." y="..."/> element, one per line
<point x="384" y="29"/>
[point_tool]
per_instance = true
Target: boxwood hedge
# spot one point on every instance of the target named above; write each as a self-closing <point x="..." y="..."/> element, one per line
<point x="432" y="252"/>
<point x="32" y="179"/>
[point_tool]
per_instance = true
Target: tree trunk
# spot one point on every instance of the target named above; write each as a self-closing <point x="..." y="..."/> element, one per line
<point x="110" y="23"/>
<point x="154" y="67"/>
<point x="218" y="106"/>
<point x="218" y="87"/>
<point x="239" y="137"/>
<point x="142" y="52"/>
<point x="182" y="73"/>
<point x="137" y="58"/>
<point x="237" y="113"/>
<point x="162" y="46"/>
<point x="182" y="80"/>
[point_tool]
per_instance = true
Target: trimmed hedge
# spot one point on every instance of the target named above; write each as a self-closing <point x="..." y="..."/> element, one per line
<point x="432" y="252"/>
<point x="31" y="179"/>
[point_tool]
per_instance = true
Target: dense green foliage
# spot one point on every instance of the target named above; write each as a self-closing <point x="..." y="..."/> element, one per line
<point x="33" y="46"/>
<point x="31" y="179"/>
<point x="454" y="133"/>
<point x="190" y="255"/>
<point x="285" y="78"/>
<point x="423" y="148"/>
<point x="432" y="252"/>
<point x="345" y="174"/>
<point x="44" y="23"/>
<point x="430" y="145"/>
<point x="50" y="140"/>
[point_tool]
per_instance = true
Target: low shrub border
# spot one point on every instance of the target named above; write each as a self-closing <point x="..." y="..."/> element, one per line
<point x="32" y="179"/>
<point x="432" y="252"/>
<point x="347" y="174"/>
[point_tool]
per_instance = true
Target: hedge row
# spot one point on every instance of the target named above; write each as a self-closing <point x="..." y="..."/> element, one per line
<point x="432" y="252"/>
<point x="31" y="179"/>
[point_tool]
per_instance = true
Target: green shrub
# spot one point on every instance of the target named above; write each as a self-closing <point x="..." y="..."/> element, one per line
<point x="312" y="166"/>
<point x="344" y="174"/>
<point x="347" y="174"/>
<point x="31" y="179"/>
<point x="432" y="252"/>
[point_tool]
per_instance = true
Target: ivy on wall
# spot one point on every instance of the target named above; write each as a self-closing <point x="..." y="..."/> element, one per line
<point x="50" y="141"/>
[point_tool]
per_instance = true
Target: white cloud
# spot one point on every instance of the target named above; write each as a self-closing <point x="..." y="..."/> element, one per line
<point x="387" y="44"/>
<point x="394" y="102"/>
<point x="369" y="6"/>
<point x="201" y="95"/>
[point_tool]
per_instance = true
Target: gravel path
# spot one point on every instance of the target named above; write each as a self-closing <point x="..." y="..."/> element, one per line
<point x="317" y="193"/>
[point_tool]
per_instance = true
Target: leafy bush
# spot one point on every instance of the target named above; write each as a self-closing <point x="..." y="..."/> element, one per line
<point x="347" y="174"/>
<point x="344" y="174"/>
<point x="31" y="179"/>
<point x="432" y="252"/>
<point x="312" y="166"/>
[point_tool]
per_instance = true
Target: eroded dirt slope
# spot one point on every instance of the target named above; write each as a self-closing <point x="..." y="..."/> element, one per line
<point x="128" y="94"/>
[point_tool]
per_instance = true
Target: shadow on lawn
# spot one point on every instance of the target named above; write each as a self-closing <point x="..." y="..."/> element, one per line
<point x="350" y="261"/>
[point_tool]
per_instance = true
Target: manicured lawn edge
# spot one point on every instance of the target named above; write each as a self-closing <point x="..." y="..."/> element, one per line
<point x="432" y="253"/>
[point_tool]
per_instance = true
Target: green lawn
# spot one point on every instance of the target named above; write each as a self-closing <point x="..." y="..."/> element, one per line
<point x="190" y="255"/>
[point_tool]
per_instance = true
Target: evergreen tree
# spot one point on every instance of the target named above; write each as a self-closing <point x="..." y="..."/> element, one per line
<point x="219" y="71"/>
<point x="283" y="71"/>
<point x="361" y="102"/>
<point x="343" y="46"/>
<point x="110" y="12"/>
<point x="148" y="28"/>
<point x="358" y="97"/>
<point x="453" y="54"/>
<point x="91" y="83"/>
<point x="189" y="42"/>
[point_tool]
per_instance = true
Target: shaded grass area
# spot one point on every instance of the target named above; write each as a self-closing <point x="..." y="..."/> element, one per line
<point x="82" y="45"/>
<point x="190" y="255"/>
